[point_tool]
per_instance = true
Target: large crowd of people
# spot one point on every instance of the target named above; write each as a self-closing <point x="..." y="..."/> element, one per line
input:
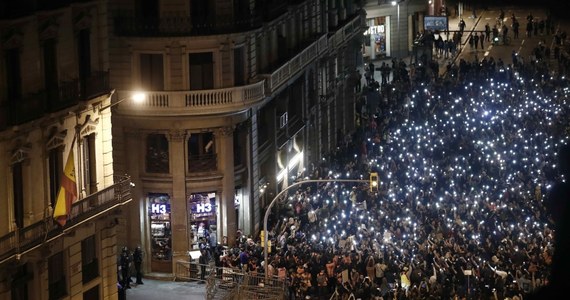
<point x="466" y="165"/>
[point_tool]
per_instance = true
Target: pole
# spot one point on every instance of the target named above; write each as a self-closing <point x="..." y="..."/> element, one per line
<point x="266" y="233"/>
<point x="399" y="27"/>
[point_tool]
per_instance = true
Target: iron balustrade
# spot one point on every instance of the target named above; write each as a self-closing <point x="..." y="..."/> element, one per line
<point x="21" y="240"/>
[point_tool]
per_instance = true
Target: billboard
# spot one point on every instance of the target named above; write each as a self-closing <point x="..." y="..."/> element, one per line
<point x="435" y="23"/>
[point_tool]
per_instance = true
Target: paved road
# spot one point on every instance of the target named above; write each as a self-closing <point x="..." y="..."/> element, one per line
<point x="167" y="290"/>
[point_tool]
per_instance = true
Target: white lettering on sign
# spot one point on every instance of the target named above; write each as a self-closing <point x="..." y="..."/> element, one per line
<point x="158" y="208"/>
<point x="203" y="207"/>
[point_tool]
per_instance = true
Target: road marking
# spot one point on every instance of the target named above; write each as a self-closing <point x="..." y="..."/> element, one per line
<point x="486" y="53"/>
<point x="522" y="43"/>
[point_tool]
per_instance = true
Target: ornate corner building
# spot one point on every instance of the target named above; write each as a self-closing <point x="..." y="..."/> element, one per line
<point x="240" y="96"/>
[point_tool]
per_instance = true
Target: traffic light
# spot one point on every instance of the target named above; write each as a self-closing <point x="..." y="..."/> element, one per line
<point x="374" y="182"/>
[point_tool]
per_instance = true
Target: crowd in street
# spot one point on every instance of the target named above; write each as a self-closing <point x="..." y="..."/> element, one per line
<point x="466" y="163"/>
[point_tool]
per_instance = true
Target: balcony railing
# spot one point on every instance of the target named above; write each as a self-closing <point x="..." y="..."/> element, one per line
<point x="202" y="163"/>
<point x="347" y="31"/>
<point x="202" y="102"/>
<point x="20" y="241"/>
<point x="12" y="9"/>
<point x="34" y="105"/>
<point x="127" y="24"/>
<point x="294" y="65"/>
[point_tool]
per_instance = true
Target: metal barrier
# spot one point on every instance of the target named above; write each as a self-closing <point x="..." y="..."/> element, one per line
<point x="231" y="283"/>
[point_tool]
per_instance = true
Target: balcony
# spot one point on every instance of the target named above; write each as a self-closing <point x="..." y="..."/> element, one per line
<point x="202" y="163"/>
<point x="127" y="24"/>
<point x="190" y="103"/>
<point x="289" y="69"/>
<point x="13" y="9"/>
<point x="22" y="240"/>
<point x="35" y="105"/>
<point x="345" y="32"/>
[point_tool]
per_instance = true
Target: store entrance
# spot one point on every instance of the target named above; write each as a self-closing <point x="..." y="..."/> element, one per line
<point x="201" y="220"/>
<point x="160" y="233"/>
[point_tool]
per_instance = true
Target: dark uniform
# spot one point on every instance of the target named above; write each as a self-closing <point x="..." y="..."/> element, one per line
<point x="138" y="258"/>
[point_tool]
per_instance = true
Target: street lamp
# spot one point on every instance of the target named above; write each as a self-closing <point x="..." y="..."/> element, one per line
<point x="397" y="3"/>
<point x="137" y="97"/>
<point x="266" y="233"/>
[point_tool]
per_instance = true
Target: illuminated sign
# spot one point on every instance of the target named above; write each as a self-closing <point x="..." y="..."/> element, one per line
<point x="158" y="205"/>
<point x="202" y="205"/>
<point x="376" y="29"/>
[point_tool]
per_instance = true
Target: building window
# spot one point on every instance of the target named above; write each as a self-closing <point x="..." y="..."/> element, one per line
<point x="18" y="187"/>
<point x="239" y="67"/>
<point x="157" y="154"/>
<point x="56" y="277"/>
<point x="92" y="293"/>
<point x="14" y="78"/>
<point x="89" y="164"/>
<point x="50" y="70"/>
<point x="84" y="59"/>
<point x="239" y="143"/>
<point x="152" y="72"/>
<point x="90" y="264"/>
<point x="20" y="278"/>
<point x="201" y="71"/>
<point x="202" y="152"/>
<point x="55" y="172"/>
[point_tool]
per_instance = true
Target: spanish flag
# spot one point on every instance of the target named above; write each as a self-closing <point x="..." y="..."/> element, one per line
<point x="67" y="192"/>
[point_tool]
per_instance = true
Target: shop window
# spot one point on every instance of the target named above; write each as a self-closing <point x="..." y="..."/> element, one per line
<point x="202" y="219"/>
<point x="90" y="264"/>
<point x="375" y="38"/>
<point x="202" y="152"/>
<point x="56" y="277"/>
<point x="161" y="238"/>
<point x="157" y="160"/>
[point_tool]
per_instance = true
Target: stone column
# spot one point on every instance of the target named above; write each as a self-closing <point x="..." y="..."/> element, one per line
<point x="226" y="209"/>
<point x="178" y="212"/>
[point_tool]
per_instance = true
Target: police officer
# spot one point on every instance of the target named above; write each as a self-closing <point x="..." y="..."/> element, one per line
<point x="125" y="263"/>
<point x="137" y="259"/>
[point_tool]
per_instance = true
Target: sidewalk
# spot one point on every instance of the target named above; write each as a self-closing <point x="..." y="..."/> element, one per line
<point x="163" y="289"/>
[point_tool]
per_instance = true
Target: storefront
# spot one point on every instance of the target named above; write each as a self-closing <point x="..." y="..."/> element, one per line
<point x="376" y="38"/>
<point x="160" y="232"/>
<point x="201" y="219"/>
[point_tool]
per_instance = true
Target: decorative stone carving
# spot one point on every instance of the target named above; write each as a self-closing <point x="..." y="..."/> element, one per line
<point x="177" y="135"/>
<point x="20" y="154"/>
<point x="56" y="140"/>
<point x="49" y="29"/>
<point x="224" y="131"/>
<point x="13" y="38"/>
